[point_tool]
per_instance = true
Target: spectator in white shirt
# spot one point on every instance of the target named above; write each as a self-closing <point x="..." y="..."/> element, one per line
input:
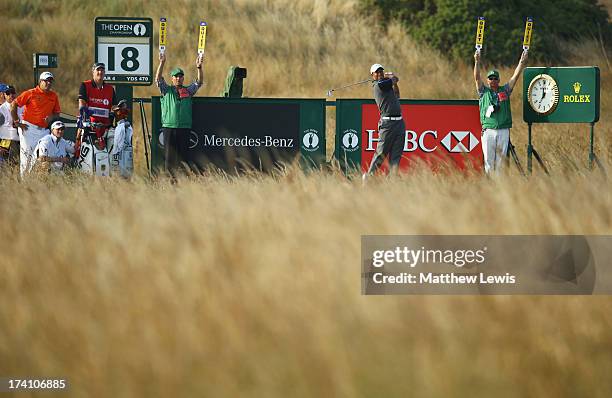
<point x="53" y="151"/>
<point x="9" y="137"/>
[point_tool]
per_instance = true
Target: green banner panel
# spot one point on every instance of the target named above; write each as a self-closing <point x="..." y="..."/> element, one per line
<point x="561" y="94"/>
<point x="348" y="132"/>
<point x="228" y="132"/>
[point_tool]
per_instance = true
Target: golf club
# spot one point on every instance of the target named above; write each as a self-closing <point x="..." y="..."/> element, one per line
<point x="330" y="91"/>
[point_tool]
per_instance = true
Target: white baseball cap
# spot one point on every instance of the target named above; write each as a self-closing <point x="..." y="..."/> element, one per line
<point x="58" y="124"/>
<point x="46" y="75"/>
<point x="376" y="67"/>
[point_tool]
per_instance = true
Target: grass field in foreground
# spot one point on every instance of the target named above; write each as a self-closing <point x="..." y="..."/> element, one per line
<point x="250" y="287"/>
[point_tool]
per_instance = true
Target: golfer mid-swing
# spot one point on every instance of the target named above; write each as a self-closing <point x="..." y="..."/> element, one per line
<point x="391" y="127"/>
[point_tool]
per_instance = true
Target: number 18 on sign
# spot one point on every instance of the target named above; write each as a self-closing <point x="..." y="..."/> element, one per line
<point x="125" y="46"/>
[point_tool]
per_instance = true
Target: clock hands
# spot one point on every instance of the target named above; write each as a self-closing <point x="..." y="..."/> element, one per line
<point x="542" y="97"/>
<point x="543" y="94"/>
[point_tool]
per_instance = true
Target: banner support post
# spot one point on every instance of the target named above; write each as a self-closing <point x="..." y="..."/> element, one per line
<point x="529" y="149"/>
<point x="591" y="151"/>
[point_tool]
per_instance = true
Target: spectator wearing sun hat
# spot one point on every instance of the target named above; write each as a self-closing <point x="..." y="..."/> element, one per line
<point x="41" y="107"/>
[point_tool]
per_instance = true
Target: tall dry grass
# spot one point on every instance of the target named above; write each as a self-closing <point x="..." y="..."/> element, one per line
<point x="250" y="286"/>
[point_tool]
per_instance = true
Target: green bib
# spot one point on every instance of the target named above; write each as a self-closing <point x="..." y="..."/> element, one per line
<point x="176" y="112"/>
<point x="502" y="117"/>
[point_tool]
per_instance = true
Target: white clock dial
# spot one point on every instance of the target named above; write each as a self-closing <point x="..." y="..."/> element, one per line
<point x="543" y="94"/>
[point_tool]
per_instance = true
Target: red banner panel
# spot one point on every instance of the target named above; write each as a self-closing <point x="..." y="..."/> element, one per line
<point x="435" y="134"/>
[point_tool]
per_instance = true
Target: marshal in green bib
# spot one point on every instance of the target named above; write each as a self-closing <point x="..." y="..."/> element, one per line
<point x="501" y="118"/>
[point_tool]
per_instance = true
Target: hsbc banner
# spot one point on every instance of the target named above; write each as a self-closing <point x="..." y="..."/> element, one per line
<point x="437" y="132"/>
<point x="237" y="133"/>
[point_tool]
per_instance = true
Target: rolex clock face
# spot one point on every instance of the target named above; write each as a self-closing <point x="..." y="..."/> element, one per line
<point x="543" y="94"/>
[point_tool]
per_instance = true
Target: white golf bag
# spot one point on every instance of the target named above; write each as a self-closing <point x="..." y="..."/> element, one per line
<point x="121" y="151"/>
<point x="115" y="159"/>
<point x="93" y="160"/>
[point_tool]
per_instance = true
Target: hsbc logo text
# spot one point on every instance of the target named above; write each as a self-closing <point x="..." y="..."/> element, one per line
<point x="454" y="141"/>
<point x="411" y="143"/>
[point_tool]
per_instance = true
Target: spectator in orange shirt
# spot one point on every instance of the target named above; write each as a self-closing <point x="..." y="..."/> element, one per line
<point x="41" y="107"/>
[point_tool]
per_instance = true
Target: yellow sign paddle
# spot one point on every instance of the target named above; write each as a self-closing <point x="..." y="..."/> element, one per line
<point x="528" y="30"/>
<point x="162" y="35"/>
<point x="480" y="33"/>
<point x="202" y="39"/>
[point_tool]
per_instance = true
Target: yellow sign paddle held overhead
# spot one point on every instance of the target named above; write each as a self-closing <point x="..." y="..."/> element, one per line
<point x="162" y="35"/>
<point x="202" y="39"/>
<point x="480" y="33"/>
<point x="527" y="36"/>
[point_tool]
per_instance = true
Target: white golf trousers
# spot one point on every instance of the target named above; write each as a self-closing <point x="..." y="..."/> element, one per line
<point x="27" y="142"/>
<point x="494" y="149"/>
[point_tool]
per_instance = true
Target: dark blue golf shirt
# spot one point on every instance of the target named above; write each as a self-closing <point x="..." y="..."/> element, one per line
<point x="385" y="98"/>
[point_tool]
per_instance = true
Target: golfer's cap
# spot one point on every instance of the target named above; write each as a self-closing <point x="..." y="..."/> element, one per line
<point x="376" y="67"/>
<point x="58" y="124"/>
<point x="46" y="76"/>
<point x="493" y="72"/>
<point x="176" y="72"/>
<point x="98" y="65"/>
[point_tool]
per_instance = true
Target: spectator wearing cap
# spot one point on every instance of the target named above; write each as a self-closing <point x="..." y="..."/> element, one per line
<point x="495" y="113"/>
<point x="9" y="137"/>
<point x="176" y="112"/>
<point x="53" y="151"/>
<point x="41" y="106"/>
<point x="96" y="99"/>
<point x="391" y="126"/>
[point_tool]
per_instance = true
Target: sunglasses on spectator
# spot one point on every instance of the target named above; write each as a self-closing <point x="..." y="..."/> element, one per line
<point x="493" y="78"/>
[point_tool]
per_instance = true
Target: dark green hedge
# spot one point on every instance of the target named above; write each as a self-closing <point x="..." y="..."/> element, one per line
<point x="450" y="25"/>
